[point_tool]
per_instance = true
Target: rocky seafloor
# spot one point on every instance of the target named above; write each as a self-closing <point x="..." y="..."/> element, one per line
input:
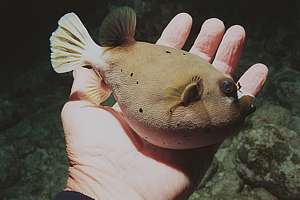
<point x="262" y="162"/>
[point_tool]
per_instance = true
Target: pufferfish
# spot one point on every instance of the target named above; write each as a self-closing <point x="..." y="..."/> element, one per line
<point x="169" y="97"/>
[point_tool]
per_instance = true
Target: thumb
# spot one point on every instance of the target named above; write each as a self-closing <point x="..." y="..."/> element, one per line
<point x="81" y="76"/>
<point x="85" y="125"/>
<point x="82" y="120"/>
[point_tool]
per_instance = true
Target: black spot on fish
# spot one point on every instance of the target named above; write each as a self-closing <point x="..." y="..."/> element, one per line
<point x="137" y="82"/>
<point x="168" y="51"/>
<point x="131" y="74"/>
<point x="87" y="67"/>
<point x="177" y="124"/>
<point x="140" y="110"/>
<point x="121" y="70"/>
<point x="184" y="54"/>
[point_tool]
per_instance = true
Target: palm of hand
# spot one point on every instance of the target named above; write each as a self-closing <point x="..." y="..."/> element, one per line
<point x="109" y="161"/>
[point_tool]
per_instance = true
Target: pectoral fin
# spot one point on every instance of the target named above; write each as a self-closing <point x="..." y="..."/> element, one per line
<point x="96" y="91"/>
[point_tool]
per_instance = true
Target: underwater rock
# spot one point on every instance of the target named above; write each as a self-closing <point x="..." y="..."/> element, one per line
<point x="35" y="146"/>
<point x="269" y="156"/>
<point x="287" y="89"/>
<point x="9" y="112"/>
<point x="256" y="194"/>
<point x="9" y="165"/>
<point x="45" y="170"/>
<point x="223" y="182"/>
<point x="295" y="124"/>
<point x="280" y="115"/>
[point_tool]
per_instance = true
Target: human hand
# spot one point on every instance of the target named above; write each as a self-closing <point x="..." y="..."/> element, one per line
<point x="108" y="160"/>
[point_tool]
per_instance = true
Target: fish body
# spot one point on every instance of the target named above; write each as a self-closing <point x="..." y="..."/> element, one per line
<point x="170" y="97"/>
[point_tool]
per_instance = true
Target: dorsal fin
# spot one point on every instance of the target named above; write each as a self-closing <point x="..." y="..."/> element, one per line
<point x="118" y="28"/>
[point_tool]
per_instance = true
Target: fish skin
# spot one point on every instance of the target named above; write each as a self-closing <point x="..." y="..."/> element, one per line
<point x="146" y="76"/>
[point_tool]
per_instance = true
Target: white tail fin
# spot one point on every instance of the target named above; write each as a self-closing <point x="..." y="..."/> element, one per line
<point x="71" y="44"/>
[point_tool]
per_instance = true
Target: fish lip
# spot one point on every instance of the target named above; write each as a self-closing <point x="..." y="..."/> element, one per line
<point x="247" y="106"/>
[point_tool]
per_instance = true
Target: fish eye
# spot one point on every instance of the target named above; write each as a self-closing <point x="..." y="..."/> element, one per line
<point x="228" y="87"/>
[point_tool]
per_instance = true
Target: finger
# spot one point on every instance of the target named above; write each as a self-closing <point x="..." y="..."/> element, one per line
<point x="253" y="79"/>
<point x="81" y="77"/>
<point x="84" y="123"/>
<point x="209" y="38"/>
<point x="88" y="128"/>
<point x="176" y="32"/>
<point x="87" y="86"/>
<point x="230" y="49"/>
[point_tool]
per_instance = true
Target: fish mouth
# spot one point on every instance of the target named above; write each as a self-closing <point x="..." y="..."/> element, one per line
<point x="247" y="105"/>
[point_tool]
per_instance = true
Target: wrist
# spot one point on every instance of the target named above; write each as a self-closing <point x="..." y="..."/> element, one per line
<point x="98" y="184"/>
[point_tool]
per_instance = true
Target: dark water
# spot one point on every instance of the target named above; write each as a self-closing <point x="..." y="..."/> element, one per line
<point x="33" y="164"/>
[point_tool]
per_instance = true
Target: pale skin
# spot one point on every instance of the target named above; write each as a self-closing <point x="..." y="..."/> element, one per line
<point x="109" y="161"/>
